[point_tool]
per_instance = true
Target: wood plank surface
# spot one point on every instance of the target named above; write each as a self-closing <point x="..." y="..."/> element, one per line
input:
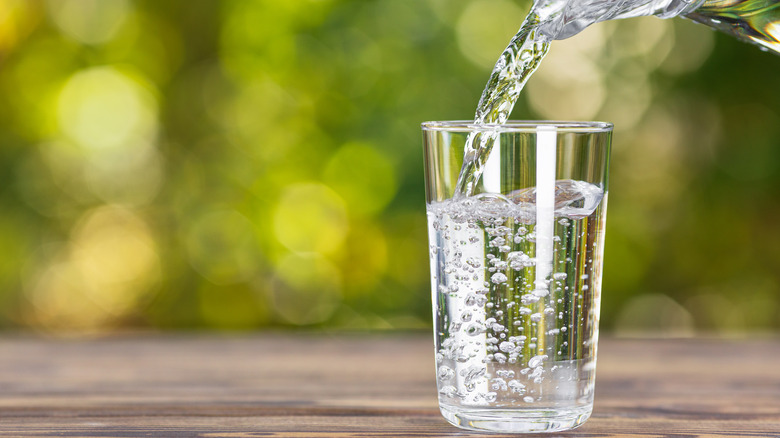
<point x="349" y="385"/>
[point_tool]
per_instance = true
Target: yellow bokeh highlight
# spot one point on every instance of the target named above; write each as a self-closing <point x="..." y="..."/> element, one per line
<point x="485" y="28"/>
<point x="89" y="21"/>
<point x="58" y="301"/>
<point x="310" y="217"/>
<point x="17" y="18"/>
<point x="103" y="109"/>
<point x="114" y="245"/>
<point x="267" y="122"/>
<point x="110" y="117"/>
<point x="628" y="99"/>
<point x="569" y="84"/>
<point x="363" y="176"/>
<point x="107" y="271"/>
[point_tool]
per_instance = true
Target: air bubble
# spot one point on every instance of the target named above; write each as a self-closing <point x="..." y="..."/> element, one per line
<point x="537" y="360"/>
<point x="505" y="374"/>
<point x="475" y="329"/>
<point x="499" y="264"/>
<point x="497" y="242"/>
<point x="448" y="391"/>
<point x="473" y="262"/>
<point x="529" y="299"/>
<point x="498" y="278"/>
<point x="445" y="373"/>
<point x="537" y="372"/>
<point x="471" y="375"/>
<point x="516" y="387"/>
<point x="478" y="298"/>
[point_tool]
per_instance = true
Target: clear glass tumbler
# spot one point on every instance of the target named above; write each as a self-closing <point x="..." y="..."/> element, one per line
<point x="516" y="271"/>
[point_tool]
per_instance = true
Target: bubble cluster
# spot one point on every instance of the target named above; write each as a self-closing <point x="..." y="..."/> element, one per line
<point x="503" y="335"/>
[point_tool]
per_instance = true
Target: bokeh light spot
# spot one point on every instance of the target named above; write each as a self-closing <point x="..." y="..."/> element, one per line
<point x="112" y="120"/>
<point x="102" y="109"/>
<point x="106" y="272"/>
<point x="714" y="311"/>
<point x="485" y="28"/>
<point x="89" y="21"/>
<point x="627" y="101"/>
<point x="59" y="302"/>
<point x="654" y="314"/>
<point x="116" y="253"/>
<point x="578" y="96"/>
<point x="17" y="17"/>
<point x="310" y="217"/>
<point x="363" y="176"/>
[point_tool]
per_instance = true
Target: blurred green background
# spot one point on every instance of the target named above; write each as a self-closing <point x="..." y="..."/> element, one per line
<point x="249" y="164"/>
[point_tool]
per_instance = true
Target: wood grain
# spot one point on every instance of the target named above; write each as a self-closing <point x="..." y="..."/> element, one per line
<point x="355" y="386"/>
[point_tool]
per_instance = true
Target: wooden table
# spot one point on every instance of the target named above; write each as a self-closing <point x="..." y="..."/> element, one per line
<point x="350" y="385"/>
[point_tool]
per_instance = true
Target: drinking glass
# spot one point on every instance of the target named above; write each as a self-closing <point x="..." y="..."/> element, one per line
<point x="516" y="270"/>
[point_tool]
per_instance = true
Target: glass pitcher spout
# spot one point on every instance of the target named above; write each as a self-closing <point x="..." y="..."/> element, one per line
<point x="563" y="19"/>
<point x="754" y="21"/>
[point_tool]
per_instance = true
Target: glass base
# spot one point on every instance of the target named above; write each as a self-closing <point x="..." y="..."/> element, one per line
<point x="517" y="420"/>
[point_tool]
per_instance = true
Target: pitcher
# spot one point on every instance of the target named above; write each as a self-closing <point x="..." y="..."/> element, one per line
<point x="754" y="21"/>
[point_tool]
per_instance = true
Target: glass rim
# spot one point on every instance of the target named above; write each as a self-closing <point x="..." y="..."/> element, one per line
<point x="521" y="126"/>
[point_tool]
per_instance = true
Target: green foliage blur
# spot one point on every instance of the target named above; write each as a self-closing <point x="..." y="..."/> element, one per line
<point x="249" y="164"/>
